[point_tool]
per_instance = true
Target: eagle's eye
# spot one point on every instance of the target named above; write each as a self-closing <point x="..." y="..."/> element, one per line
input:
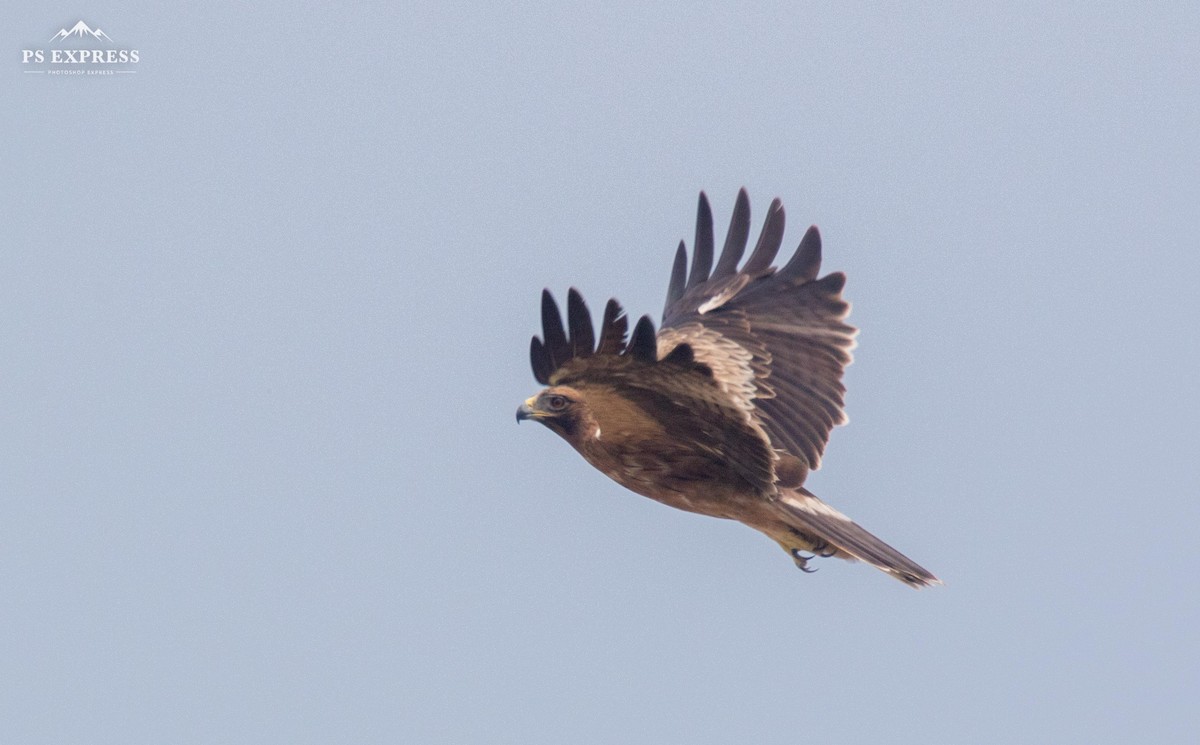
<point x="556" y="403"/>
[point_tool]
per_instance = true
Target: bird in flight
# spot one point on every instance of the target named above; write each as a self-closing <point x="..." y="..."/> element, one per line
<point x="727" y="407"/>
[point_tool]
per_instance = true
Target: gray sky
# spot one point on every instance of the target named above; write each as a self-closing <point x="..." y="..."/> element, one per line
<point x="265" y="307"/>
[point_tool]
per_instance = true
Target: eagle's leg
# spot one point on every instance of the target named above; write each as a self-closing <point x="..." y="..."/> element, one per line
<point x="823" y="549"/>
<point x="802" y="561"/>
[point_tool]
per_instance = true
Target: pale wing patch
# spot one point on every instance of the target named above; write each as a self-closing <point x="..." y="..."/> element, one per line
<point x="731" y="366"/>
<point x="725" y="295"/>
<point x="840" y="335"/>
<point x="729" y="361"/>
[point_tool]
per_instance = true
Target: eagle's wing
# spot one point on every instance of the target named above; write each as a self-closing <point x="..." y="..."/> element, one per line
<point x="775" y="339"/>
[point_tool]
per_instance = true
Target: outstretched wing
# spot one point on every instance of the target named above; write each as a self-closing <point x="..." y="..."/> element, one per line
<point x="776" y="339"/>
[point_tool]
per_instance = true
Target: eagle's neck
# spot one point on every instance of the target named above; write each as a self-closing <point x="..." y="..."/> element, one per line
<point x="611" y="431"/>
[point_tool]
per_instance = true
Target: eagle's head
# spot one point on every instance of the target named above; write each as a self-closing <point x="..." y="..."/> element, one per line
<point x="562" y="409"/>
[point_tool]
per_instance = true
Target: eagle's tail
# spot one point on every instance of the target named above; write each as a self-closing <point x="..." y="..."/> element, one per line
<point x="816" y="527"/>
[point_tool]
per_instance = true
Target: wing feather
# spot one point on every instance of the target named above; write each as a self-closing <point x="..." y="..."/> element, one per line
<point x="613" y="329"/>
<point x="776" y="340"/>
<point x="769" y="241"/>
<point x="539" y="359"/>
<point x="735" y="239"/>
<point x="806" y="262"/>
<point x="703" y="251"/>
<point x="557" y="346"/>
<point x="579" y="320"/>
<point x="678" y="275"/>
<point x="643" y="346"/>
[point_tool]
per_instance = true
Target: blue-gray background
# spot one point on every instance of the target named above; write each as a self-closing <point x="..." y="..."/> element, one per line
<point x="265" y="315"/>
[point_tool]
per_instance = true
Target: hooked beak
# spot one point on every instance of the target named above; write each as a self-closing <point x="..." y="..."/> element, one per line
<point x="525" y="410"/>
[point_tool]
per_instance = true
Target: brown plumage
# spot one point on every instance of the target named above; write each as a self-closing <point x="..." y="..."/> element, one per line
<point x="728" y="407"/>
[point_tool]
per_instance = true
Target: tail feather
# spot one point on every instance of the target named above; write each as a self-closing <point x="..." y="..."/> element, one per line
<point x="827" y="531"/>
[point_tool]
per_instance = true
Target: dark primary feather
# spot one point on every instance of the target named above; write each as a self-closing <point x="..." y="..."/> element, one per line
<point x="735" y="239"/>
<point x="702" y="256"/>
<point x="579" y="320"/>
<point x="769" y="241"/>
<point x="806" y="262"/>
<point x="678" y="276"/>
<point x="612" y="329"/>
<point x="539" y="359"/>
<point x="555" y="338"/>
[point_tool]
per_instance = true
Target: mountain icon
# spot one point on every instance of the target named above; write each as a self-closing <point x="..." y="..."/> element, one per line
<point x="81" y="29"/>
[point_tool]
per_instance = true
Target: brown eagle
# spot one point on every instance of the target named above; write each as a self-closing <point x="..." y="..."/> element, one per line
<point x="726" y="408"/>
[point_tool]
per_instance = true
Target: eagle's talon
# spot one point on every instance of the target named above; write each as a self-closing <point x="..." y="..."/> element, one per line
<point x="802" y="561"/>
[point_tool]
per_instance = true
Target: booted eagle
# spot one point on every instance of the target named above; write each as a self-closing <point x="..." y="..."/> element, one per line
<point x="726" y="408"/>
